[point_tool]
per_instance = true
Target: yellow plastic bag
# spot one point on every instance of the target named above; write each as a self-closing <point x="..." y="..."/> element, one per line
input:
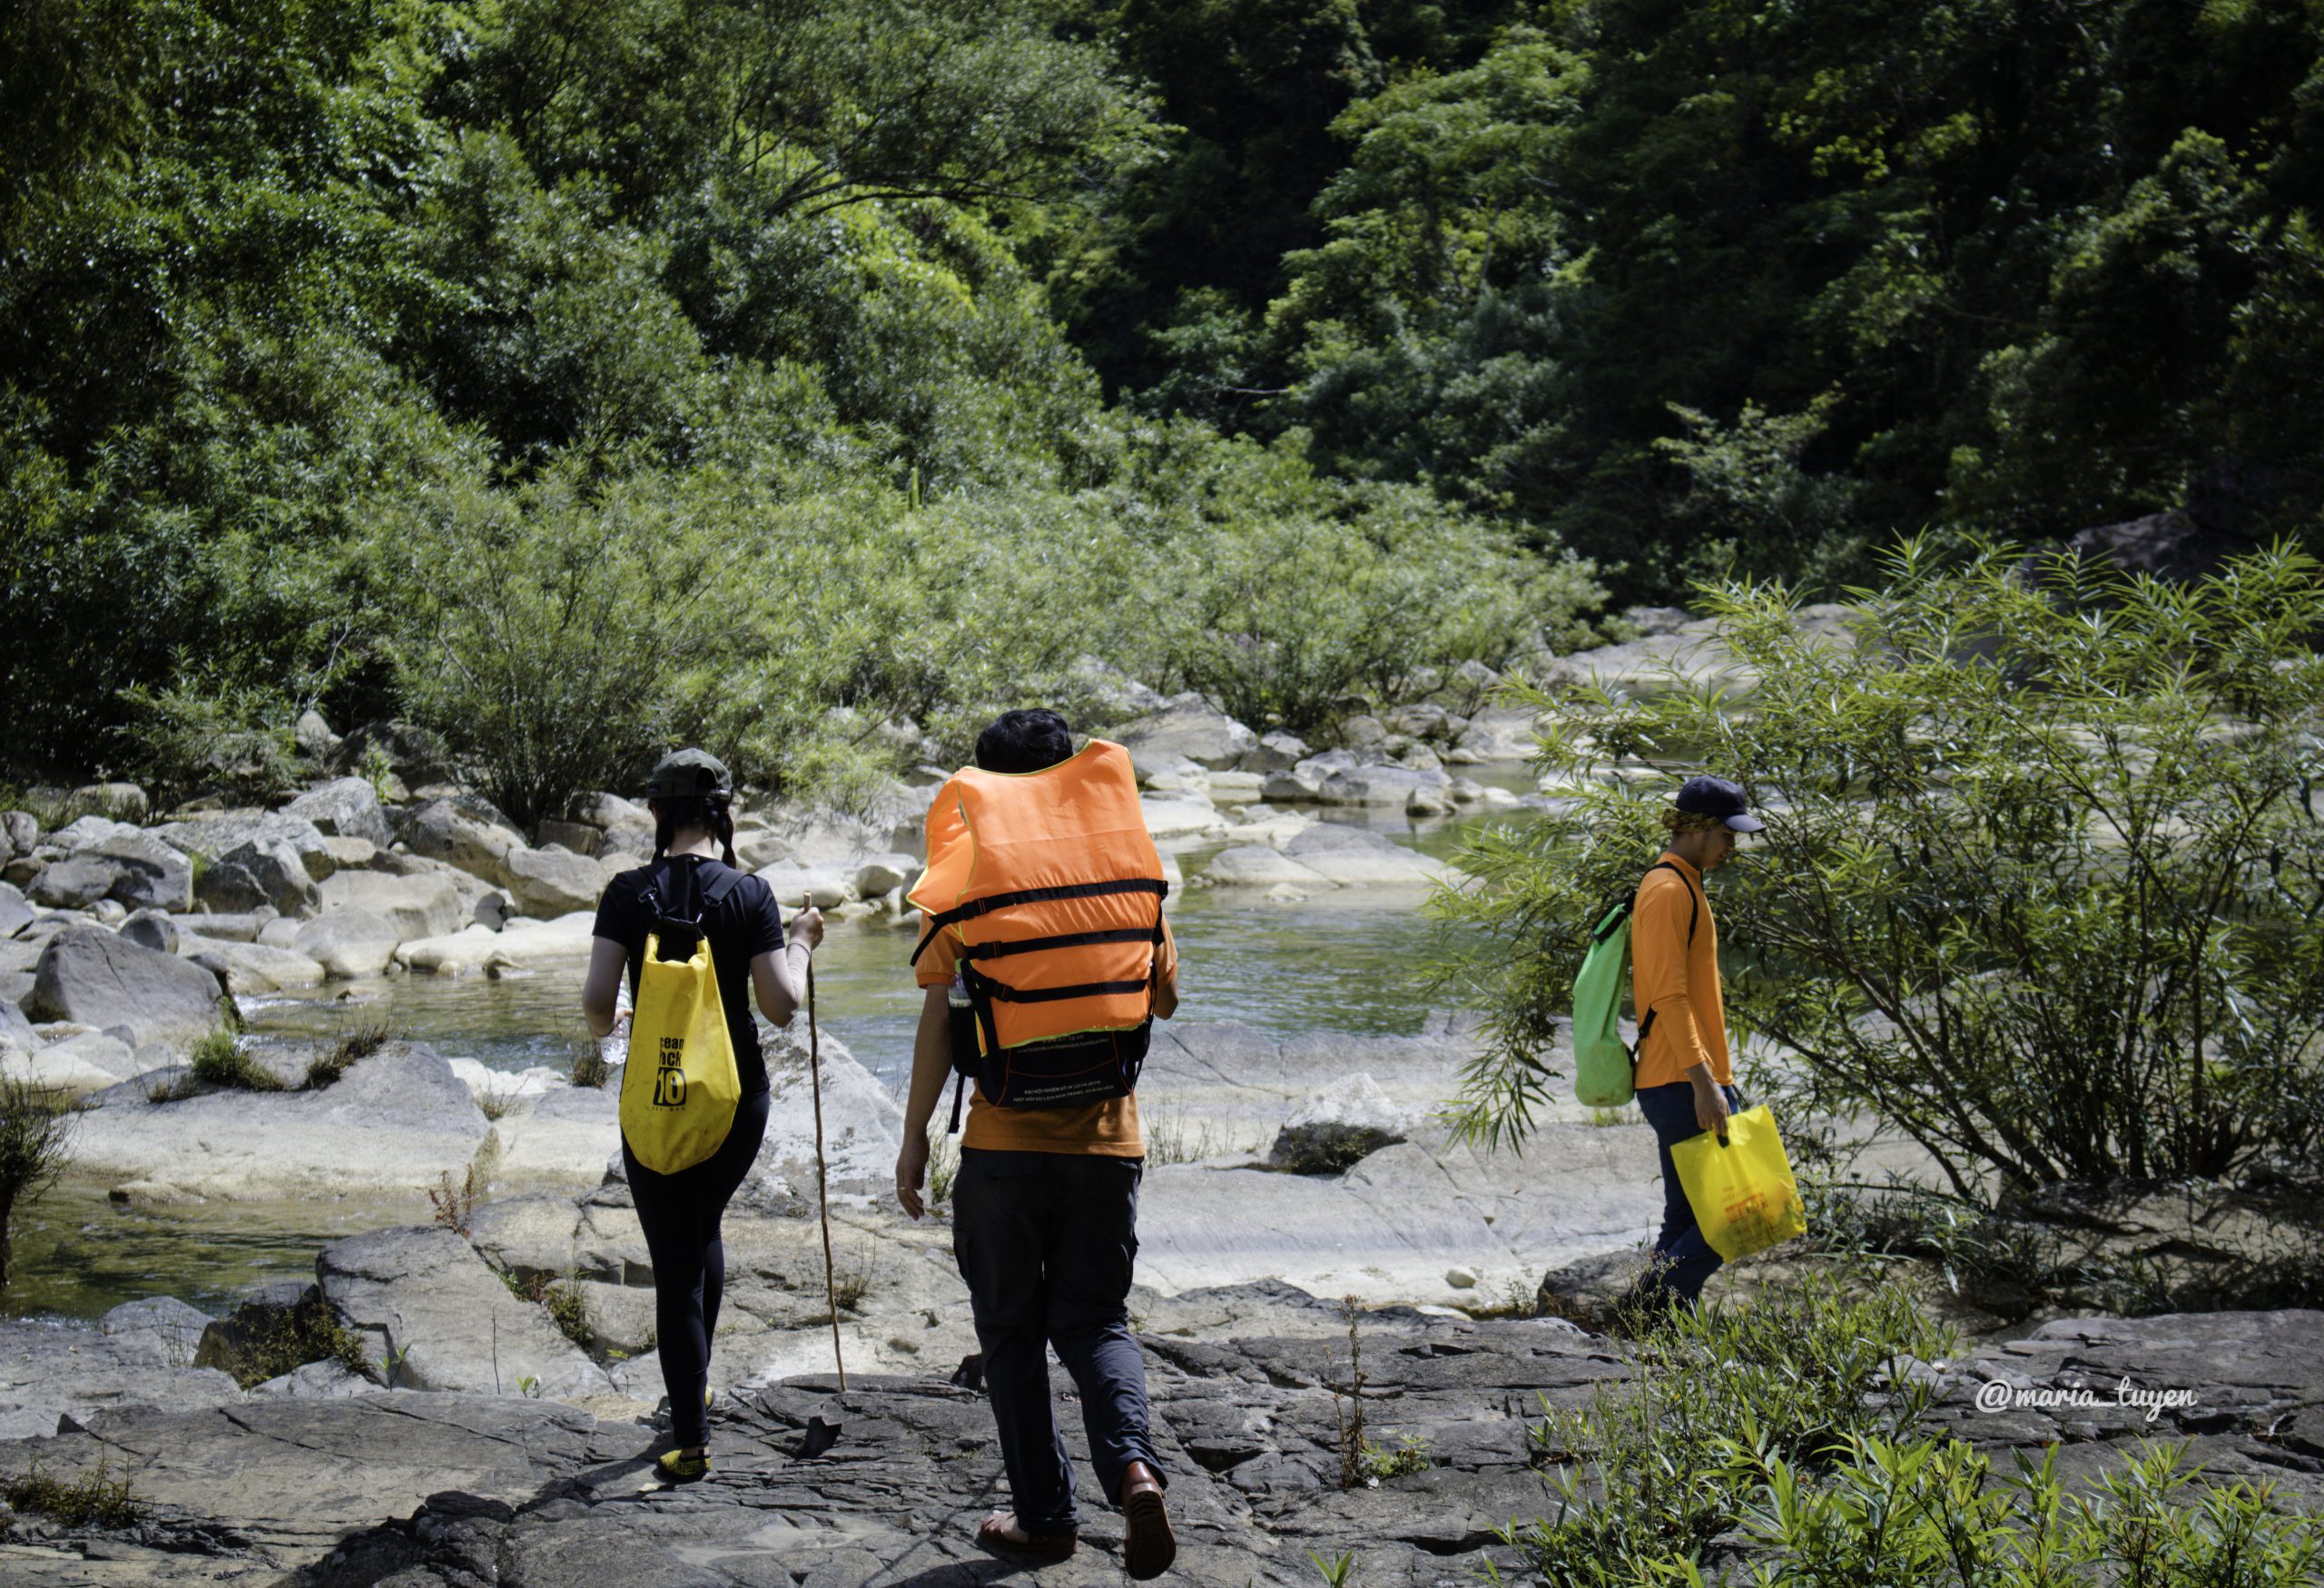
<point x="679" y="1088"/>
<point x="1743" y="1193"/>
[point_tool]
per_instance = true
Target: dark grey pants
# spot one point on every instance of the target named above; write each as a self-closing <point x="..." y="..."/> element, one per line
<point x="680" y="1214"/>
<point x="1046" y="1241"/>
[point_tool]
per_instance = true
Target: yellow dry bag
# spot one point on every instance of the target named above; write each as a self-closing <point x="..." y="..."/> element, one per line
<point x="1743" y="1194"/>
<point x="679" y="1088"/>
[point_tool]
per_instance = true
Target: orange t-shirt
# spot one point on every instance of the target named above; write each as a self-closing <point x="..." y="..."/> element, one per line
<point x="1106" y="1130"/>
<point x="1679" y="984"/>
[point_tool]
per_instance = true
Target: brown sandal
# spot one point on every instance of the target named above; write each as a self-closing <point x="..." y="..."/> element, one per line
<point x="993" y="1534"/>
<point x="1148" y="1546"/>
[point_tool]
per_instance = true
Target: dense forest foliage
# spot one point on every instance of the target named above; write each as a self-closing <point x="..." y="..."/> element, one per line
<point x="799" y="376"/>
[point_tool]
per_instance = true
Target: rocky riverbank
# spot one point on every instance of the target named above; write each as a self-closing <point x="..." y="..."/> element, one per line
<point x="429" y="1489"/>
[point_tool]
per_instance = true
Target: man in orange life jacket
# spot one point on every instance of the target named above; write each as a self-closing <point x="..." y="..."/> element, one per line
<point x="1685" y="1083"/>
<point x="1045" y="1212"/>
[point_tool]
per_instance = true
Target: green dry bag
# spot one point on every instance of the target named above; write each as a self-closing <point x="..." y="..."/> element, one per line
<point x="1604" y="1066"/>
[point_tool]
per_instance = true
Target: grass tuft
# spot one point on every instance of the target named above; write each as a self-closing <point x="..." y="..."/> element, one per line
<point x="94" y="1498"/>
<point x="366" y="1037"/>
<point x="220" y="1062"/>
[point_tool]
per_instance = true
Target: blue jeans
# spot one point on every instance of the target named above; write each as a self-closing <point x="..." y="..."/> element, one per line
<point x="1683" y="1261"/>
<point x="1046" y="1241"/>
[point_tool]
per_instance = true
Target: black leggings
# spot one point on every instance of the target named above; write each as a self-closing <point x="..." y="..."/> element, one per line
<point x="680" y="1214"/>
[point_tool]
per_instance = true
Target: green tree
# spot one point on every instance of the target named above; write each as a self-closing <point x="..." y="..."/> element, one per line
<point x="2039" y="884"/>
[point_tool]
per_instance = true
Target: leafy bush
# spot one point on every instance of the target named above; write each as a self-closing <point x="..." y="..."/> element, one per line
<point x="36" y="1140"/>
<point x="2040" y="885"/>
<point x="1647" y="1476"/>
<point x="1933" y="1511"/>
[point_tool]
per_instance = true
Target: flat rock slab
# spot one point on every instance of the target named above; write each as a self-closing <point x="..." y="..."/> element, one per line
<point x="395" y="1122"/>
<point x="428" y="1489"/>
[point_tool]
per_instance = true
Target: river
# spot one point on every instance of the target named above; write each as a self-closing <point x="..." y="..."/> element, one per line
<point x="1348" y="962"/>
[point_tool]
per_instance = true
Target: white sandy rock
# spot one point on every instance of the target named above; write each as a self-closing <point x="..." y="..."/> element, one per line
<point x="828" y="887"/>
<point x="349" y="944"/>
<point x="1180" y="817"/>
<point x="520" y="945"/>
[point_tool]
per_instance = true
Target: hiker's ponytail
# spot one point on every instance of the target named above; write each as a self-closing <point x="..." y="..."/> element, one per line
<point x="713" y="813"/>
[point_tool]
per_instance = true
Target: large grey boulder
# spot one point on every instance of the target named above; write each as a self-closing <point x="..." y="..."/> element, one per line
<point x="84" y="833"/>
<point x="23" y="829"/>
<point x="148" y="873"/>
<point x="465" y="833"/>
<point x="1189" y="726"/>
<point x="271" y="874"/>
<point x="433" y="1315"/>
<point x="14" y="913"/>
<point x="826" y="886"/>
<point x="1258" y="865"/>
<point x="425" y="904"/>
<point x="73" y="882"/>
<point x="152" y="929"/>
<point x="1302" y="783"/>
<point x="350" y="943"/>
<point x="550" y="883"/>
<point x="345" y="807"/>
<point x="94" y="978"/>
<point x="395" y="1124"/>
<point x="1381" y="785"/>
<point x="1358" y="857"/>
<point x="214" y="837"/>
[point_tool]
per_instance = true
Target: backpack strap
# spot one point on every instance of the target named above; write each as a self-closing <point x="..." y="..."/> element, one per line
<point x="1694" y="918"/>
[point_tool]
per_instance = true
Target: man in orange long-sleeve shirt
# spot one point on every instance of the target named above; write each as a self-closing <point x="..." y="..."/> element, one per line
<point x="1685" y="1083"/>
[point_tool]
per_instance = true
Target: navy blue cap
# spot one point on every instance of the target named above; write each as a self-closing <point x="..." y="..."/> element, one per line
<point x="1715" y="796"/>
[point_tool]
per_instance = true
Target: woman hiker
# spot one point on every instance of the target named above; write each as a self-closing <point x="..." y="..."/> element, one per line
<point x="691" y="795"/>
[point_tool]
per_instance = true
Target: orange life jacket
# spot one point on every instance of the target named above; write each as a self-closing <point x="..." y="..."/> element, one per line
<point x="1054" y="887"/>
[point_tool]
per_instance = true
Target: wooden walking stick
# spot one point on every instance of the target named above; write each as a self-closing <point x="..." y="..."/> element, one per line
<point x="822" y="1196"/>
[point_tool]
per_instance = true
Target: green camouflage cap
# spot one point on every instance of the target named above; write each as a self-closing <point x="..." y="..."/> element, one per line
<point x="684" y="772"/>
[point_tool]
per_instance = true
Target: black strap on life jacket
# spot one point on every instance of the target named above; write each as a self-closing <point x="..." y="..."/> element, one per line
<point x="976" y="907"/>
<point x="984" y="991"/>
<point x="1694" y="916"/>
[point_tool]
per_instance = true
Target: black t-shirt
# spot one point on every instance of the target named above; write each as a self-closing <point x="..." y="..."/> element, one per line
<point x="746" y="924"/>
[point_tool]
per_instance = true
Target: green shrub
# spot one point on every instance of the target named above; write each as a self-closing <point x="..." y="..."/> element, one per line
<point x="560" y="1298"/>
<point x="219" y="1060"/>
<point x="1647" y="1477"/>
<point x="2041" y="884"/>
<point x="1409" y="1454"/>
<point x="287" y="1339"/>
<point x="94" y="1498"/>
<point x="35" y="1139"/>
<point x="1931" y="1510"/>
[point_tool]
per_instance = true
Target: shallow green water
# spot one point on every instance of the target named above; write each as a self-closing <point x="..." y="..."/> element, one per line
<point x="1348" y="962"/>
